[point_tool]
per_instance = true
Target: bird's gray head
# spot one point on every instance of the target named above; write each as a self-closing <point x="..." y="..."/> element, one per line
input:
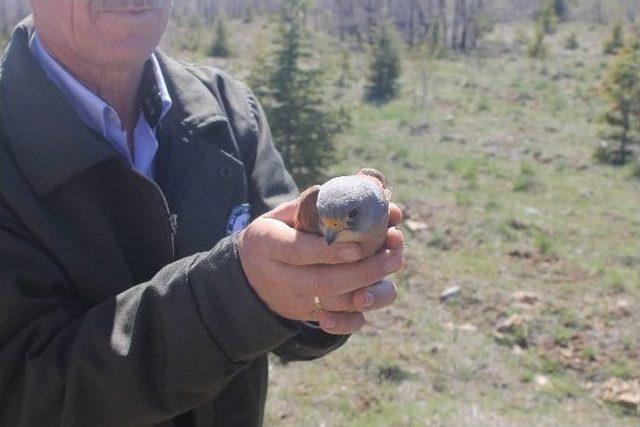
<point x="351" y="203"/>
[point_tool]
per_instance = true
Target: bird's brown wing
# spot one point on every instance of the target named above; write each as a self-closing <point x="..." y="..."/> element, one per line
<point x="378" y="176"/>
<point x="374" y="173"/>
<point x="307" y="217"/>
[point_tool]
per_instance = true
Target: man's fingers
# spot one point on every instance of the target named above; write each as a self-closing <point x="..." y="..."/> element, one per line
<point x="341" y="279"/>
<point x="289" y="268"/>
<point x="330" y="280"/>
<point x="344" y="302"/>
<point x="395" y="239"/>
<point x="286" y="212"/>
<point x="395" y="214"/>
<point x="375" y="297"/>
<point x="293" y="247"/>
<point x="341" y="323"/>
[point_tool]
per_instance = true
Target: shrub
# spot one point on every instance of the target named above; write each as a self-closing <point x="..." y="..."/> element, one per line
<point x="537" y="47"/>
<point x="561" y="9"/>
<point x="526" y="181"/>
<point x="220" y="47"/>
<point x="635" y="169"/>
<point x="572" y="42"/>
<point x="385" y="67"/>
<point x="547" y="20"/>
<point x="544" y="244"/>
<point x="621" y="88"/>
<point x="615" y="42"/>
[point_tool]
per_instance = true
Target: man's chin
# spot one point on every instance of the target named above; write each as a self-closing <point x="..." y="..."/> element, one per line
<point x="130" y="28"/>
<point x="127" y="52"/>
<point x="124" y="43"/>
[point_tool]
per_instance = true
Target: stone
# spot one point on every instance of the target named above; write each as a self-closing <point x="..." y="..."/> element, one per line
<point x="450" y="293"/>
<point x="524" y="297"/>
<point x="415" y="226"/>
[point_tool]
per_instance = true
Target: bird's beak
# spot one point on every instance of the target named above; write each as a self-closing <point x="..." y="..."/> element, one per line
<point x="330" y="236"/>
<point x="332" y="226"/>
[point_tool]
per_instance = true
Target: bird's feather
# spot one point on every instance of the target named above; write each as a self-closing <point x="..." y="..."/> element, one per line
<point x="379" y="177"/>
<point x="307" y="218"/>
<point x="374" y="173"/>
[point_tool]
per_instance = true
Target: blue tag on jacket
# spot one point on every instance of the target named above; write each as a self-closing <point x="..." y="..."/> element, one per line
<point x="239" y="219"/>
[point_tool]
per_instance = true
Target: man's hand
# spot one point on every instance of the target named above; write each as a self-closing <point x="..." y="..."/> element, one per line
<point x="288" y="269"/>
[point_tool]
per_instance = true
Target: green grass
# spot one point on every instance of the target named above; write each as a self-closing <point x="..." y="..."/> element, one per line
<point x="507" y="140"/>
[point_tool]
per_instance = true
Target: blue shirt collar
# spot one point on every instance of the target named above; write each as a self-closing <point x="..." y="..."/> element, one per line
<point x="93" y="111"/>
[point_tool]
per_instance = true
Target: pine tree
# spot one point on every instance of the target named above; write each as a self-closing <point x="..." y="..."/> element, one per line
<point x="248" y="15"/>
<point x="546" y="18"/>
<point x="561" y="9"/>
<point x="571" y="43"/>
<point x="220" y="47"/>
<point x="537" y="47"/>
<point x="385" y="68"/>
<point x="345" y="69"/>
<point x="616" y="42"/>
<point x="294" y="95"/>
<point x="621" y="89"/>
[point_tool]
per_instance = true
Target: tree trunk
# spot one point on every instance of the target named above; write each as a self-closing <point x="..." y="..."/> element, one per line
<point x="455" y="24"/>
<point x="4" y="19"/>
<point x="410" y="24"/>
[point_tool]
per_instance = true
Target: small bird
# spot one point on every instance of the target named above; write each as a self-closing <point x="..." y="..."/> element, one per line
<point x="353" y="208"/>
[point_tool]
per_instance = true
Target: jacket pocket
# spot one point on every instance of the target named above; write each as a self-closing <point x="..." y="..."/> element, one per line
<point x="218" y="185"/>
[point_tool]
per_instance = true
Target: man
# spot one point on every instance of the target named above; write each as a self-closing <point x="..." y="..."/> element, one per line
<point x="126" y="297"/>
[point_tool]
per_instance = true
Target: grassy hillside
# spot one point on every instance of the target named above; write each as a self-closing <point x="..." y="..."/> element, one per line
<point x="491" y="156"/>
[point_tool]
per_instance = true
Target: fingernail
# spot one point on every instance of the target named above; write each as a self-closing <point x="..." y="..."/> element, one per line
<point x="349" y="253"/>
<point x="329" y="321"/>
<point x="369" y="300"/>
<point x="393" y="264"/>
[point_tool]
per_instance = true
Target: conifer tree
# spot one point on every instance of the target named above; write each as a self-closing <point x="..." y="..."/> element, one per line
<point x="561" y="9"/>
<point x="345" y="69"/>
<point x="537" y="47"/>
<point x="546" y="18"/>
<point x="294" y="95"/>
<point x="385" y="67"/>
<point x="220" y="47"/>
<point x="248" y="15"/>
<point x="616" y="42"/>
<point x="571" y="42"/>
<point x="621" y="89"/>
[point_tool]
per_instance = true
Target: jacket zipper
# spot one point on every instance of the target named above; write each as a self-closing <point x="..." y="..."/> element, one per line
<point x="170" y="219"/>
<point x="173" y="222"/>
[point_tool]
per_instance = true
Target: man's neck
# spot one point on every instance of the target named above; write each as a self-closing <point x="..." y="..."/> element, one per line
<point x="117" y="86"/>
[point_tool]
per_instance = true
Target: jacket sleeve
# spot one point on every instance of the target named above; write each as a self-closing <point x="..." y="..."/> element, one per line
<point x="156" y="350"/>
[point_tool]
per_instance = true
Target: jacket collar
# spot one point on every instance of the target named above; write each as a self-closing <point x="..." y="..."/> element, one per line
<point x="49" y="141"/>
<point x="195" y="106"/>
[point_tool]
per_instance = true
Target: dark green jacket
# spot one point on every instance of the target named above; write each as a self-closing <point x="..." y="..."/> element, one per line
<point x="112" y="312"/>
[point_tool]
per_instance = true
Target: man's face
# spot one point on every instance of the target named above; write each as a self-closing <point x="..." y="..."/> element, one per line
<point x="106" y="33"/>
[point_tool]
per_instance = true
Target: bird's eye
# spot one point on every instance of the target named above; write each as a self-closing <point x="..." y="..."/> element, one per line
<point x="353" y="214"/>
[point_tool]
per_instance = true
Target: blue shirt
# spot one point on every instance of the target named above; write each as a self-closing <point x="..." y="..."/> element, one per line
<point x="102" y="118"/>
